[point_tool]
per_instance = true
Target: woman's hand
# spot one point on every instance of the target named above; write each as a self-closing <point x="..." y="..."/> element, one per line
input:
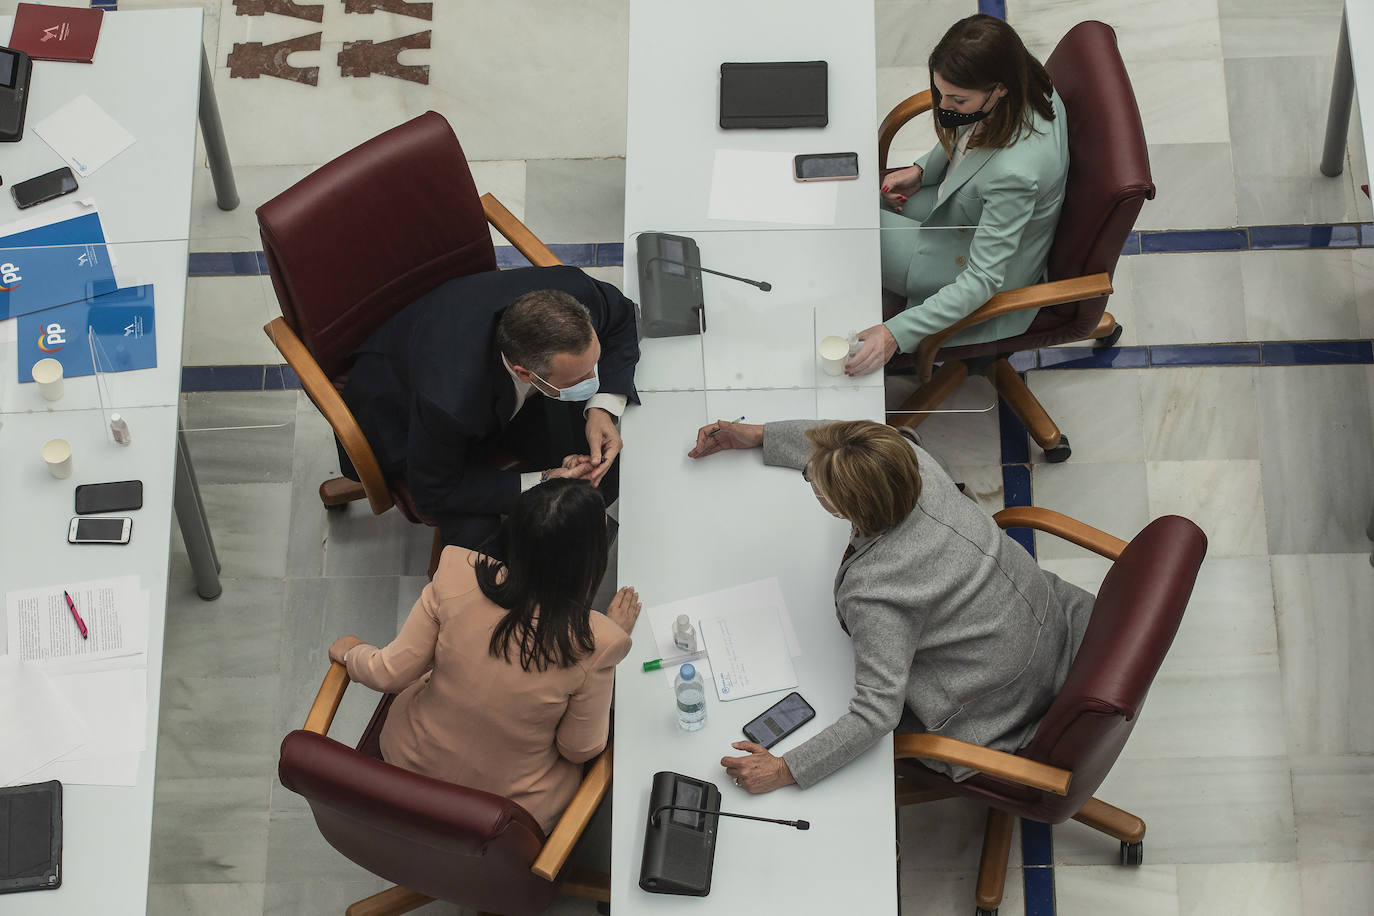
<point x="624" y="609"/>
<point x="899" y="185"/>
<point x="722" y="434"/>
<point x="879" y="345"/>
<point x="759" y="772"/>
<point x="576" y="467"/>
<point x="342" y="645"/>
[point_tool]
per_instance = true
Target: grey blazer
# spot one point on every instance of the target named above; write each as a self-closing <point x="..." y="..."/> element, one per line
<point x="949" y="616"/>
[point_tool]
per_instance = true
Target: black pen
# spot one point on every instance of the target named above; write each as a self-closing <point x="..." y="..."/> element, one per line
<point x="712" y="433"/>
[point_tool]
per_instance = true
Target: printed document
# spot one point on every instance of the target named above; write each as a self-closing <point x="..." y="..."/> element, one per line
<point x="41" y="627"/>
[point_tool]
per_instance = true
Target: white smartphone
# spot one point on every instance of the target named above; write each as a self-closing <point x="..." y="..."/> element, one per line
<point x="100" y="530"/>
<point x="826" y="167"/>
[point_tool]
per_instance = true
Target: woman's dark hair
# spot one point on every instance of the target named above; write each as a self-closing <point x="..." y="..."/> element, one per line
<point x="981" y="53"/>
<point x="554" y="544"/>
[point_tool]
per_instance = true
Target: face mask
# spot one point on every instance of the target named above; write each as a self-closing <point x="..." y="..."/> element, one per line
<point x="952" y="119"/>
<point x="575" y="393"/>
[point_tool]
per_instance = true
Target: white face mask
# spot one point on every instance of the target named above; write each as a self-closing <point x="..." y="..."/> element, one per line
<point x="582" y="391"/>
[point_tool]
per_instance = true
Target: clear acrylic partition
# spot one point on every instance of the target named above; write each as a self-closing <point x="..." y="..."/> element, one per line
<point x="115" y="315"/>
<point x="729" y="312"/>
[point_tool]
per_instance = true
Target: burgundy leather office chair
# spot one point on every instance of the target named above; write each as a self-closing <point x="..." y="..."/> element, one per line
<point x="1053" y="778"/>
<point x="1108" y="182"/>
<point x="356" y="241"/>
<point x="436" y="840"/>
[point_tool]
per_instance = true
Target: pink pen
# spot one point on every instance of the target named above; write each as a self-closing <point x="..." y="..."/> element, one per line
<point x="71" y="606"/>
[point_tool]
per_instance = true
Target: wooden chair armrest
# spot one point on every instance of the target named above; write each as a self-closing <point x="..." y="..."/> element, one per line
<point x="1012" y="300"/>
<point x="1060" y="525"/>
<point x="575" y="818"/>
<point x="321" y="714"/>
<point x="328" y="401"/>
<point x="515" y="232"/>
<point x="896" y="118"/>
<point x="995" y="763"/>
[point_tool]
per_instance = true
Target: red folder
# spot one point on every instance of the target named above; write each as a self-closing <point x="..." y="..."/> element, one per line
<point x="56" y="32"/>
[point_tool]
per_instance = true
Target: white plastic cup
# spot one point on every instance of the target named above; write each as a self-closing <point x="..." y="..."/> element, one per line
<point x="834" y="353"/>
<point x="57" y="453"/>
<point x="48" y="374"/>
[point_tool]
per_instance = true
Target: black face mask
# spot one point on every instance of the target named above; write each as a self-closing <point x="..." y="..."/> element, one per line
<point x="951" y="119"/>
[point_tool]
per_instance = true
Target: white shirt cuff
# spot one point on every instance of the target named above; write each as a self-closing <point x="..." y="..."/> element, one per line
<point x="613" y="404"/>
<point x="530" y="479"/>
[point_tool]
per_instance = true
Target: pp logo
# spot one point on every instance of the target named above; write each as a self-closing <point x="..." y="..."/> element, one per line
<point x="52" y="338"/>
<point x="9" y="277"/>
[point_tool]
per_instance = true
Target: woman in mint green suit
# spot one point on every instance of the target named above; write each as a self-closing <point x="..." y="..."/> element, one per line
<point x="991" y="191"/>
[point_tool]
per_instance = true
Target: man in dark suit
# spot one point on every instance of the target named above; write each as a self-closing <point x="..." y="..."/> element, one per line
<point x="535" y="363"/>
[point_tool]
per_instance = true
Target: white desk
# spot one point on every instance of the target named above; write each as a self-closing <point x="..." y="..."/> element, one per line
<point x="693" y="527"/>
<point x="147" y="75"/>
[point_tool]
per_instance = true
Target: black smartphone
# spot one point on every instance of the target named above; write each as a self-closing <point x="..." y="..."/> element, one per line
<point x="43" y="188"/>
<point x="825" y="167"/>
<point x="107" y="530"/>
<point x="118" y="496"/>
<point x="780" y="720"/>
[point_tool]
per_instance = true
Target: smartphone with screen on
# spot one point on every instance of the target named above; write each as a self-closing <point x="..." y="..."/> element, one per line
<point x="118" y="496"/>
<point x="106" y="530"/>
<point x="825" y="167"/>
<point x="43" y="188"/>
<point x="780" y="720"/>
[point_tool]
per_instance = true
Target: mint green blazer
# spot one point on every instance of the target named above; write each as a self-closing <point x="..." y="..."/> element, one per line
<point x="993" y="231"/>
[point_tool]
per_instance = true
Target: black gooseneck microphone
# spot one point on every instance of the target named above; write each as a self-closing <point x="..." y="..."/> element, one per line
<point x="800" y="825"/>
<point x="763" y="285"/>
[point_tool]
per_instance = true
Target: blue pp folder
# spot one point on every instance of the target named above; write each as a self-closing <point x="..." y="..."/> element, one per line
<point x="120" y="323"/>
<point x="53" y="265"/>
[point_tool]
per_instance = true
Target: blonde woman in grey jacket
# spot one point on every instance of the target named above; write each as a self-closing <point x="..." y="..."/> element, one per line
<point x="953" y="623"/>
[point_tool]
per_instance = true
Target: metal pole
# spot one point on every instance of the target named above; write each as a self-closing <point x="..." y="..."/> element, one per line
<point x="221" y="170"/>
<point x="195" y="527"/>
<point x="1338" y="115"/>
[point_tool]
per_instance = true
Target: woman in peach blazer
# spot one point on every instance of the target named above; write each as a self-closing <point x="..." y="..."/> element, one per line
<point x="504" y="671"/>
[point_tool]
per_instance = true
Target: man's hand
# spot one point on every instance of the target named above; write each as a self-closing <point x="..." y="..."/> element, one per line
<point x="624" y="609"/>
<point x="898" y="185"/>
<point x="722" y="434"/>
<point x="576" y="467"/>
<point x="603" y="442"/>
<point x="342" y="645"/>
<point x="879" y="345"/>
<point x="759" y="772"/>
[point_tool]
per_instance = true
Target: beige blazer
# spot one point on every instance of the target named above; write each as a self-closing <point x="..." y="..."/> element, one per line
<point x="484" y="722"/>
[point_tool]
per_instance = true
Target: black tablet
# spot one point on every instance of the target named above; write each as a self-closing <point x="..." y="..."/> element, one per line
<point x="31" y="837"/>
<point x="15" y="70"/>
<point x="774" y="94"/>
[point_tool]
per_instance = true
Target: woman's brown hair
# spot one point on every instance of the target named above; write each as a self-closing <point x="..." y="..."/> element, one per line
<point x="981" y="53"/>
<point x="867" y="471"/>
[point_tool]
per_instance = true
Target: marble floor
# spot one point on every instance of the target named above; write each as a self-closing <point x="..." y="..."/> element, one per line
<point x="1254" y="762"/>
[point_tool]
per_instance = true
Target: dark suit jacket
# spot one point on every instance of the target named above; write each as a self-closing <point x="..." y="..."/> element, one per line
<point x="431" y="394"/>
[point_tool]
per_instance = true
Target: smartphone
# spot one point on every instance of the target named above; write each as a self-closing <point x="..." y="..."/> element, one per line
<point x="120" y="496"/>
<point x="825" y="166"/>
<point x="106" y="530"/>
<point x="43" y="188"/>
<point x="780" y="720"/>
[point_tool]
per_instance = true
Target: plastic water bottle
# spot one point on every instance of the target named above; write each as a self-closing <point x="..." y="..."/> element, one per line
<point x="691" y="698"/>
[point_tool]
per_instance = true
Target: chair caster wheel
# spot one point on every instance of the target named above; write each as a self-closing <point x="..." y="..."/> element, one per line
<point x="1132" y="854"/>
<point x="1060" y="452"/>
<point x="603" y="908"/>
<point x="1110" y="340"/>
<point x="341" y="507"/>
<point x="982" y="912"/>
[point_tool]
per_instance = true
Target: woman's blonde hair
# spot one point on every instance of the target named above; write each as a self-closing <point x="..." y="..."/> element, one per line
<point x="867" y="471"/>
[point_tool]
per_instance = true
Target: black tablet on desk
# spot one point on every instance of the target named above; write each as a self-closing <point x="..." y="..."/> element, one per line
<point x="774" y="94"/>
<point x="31" y="837"/>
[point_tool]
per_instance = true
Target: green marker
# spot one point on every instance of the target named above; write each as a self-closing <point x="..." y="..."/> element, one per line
<point x="673" y="662"/>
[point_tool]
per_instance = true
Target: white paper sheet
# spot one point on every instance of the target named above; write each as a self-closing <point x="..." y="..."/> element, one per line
<point x="765" y="593"/>
<point x="41" y="627"/>
<point x="83" y="134"/>
<point x="118" y="770"/>
<point x="749" y="651"/>
<point x="756" y="186"/>
<point x="37" y="723"/>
